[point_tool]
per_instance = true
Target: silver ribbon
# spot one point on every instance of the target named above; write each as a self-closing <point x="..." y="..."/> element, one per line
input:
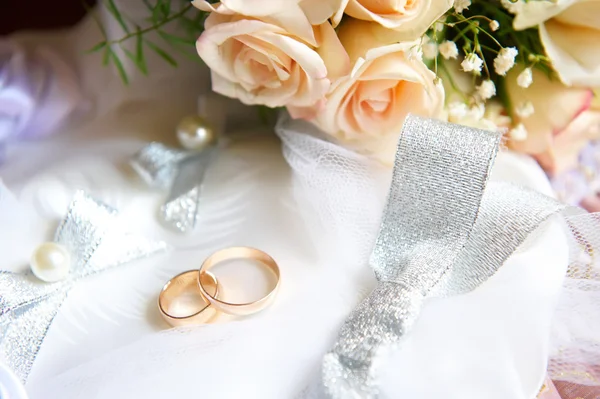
<point x="442" y="233"/>
<point x="28" y="305"/>
<point x="181" y="172"/>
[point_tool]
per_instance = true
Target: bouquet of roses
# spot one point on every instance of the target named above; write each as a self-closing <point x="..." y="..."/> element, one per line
<point x="356" y="68"/>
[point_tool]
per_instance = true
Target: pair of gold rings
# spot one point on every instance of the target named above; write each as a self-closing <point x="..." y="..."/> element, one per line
<point x="202" y="288"/>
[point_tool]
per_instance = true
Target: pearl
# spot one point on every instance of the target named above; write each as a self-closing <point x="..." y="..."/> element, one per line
<point x="195" y="133"/>
<point x="50" y="262"/>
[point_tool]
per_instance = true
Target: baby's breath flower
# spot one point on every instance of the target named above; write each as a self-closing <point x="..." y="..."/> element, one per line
<point x="486" y="90"/>
<point x="461" y="5"/>
<point x="448" y="49"/>
<point x="488" y="124"/>
<point x="525" y="78"/>
<point x="518" y="133"/>
<point x="494" y="25"/>
<point x="525" y="109"/>
<point x="430" y="49"/>
<point x="472" y="63"/>
<point x="505" y="60"/>
<point x="457" y="111"/>
<point x="476" y="111"/>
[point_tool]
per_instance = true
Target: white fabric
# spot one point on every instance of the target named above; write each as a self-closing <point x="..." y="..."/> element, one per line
<point x="108" y="340"/>
<point x="10" y="386"/>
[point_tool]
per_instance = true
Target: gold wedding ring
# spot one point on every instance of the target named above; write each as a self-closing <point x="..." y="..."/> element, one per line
<point x="238" y="309"/>
<point x="181" y="303"/>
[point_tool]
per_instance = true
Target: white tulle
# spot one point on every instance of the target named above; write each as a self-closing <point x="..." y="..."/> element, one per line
<point x="553" y="318"/>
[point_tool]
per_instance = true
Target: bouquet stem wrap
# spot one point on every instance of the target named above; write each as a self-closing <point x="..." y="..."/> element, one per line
<point x="442" y="233"/>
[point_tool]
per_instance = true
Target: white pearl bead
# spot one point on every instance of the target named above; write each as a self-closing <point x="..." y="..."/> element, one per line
<point x="195" y="133"/>
<point x="50" y="262"/>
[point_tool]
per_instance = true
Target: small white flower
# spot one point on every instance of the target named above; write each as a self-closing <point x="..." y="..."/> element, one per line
<point x="525" y="109"/>
<point x="461" y="5"/>
<point x="518" y="133"/>
<point x="505" y="60"/>
<point x="488" y="124"/>
<point x="430" y="50"/>
<point x="525" y="78"/>
<point x="457" y="111"/>
<point x="438" y="26"/>
<point x="494" y="25"/>
<point x="495" y="111"/>
<point x="472" y="63"/>
<point x="476" y="112"/>
<point x="486" y="90"/>
<point x="448" y="49"/>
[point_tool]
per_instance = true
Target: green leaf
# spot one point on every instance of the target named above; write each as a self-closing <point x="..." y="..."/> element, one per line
<point x="97" y="47"/>
<point x="189" y="24"/>
<point x="139" y="52"/>
<point x="189" y="54"/>
<point x="162" y="53"/>
<point x="106" y="56"/>
<point x="150" y="8"/>
<point x="120" y="68"/>
<point x="175" y="40"/>
<point x="166" y="8"/>
<point x="140" y="64"/>
<point x="161" y="10"/>
<point x="112" y="8"/>
<point x="156" y="13"/>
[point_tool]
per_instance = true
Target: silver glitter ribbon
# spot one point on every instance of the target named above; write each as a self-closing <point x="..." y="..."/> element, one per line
<point x="28" y="306"/>
<point x="442" y="233"/>
<point x="181" y="172"/>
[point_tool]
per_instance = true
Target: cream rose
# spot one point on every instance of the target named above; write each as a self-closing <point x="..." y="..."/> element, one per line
<point x="295" y="16"/>
<point x="562" y="123"/>
<point x="570" y="33"/>
<point x="366" y="108"/>
<point x="259" y="62"/>
<point x="408" y="19"/>
<point x="566" y="146"/>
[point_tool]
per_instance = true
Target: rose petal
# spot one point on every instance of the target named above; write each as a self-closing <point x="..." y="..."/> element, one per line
<point x="274" y="54"/>
<point x="393" y="66"/>
<point x="566" y="146"/>
<point x="332" y="52"/>
<point x="386" y="13"/>
<point x="574" y="51"/>
<point x="319" y="11"/>
<point x="223" y="86"/>
<point x="337" y="17"/>
<point x="393" y="27"/>
<point x="555" y="104"/>
<point x="533" y="13"/>
<point x="309" y="60"/>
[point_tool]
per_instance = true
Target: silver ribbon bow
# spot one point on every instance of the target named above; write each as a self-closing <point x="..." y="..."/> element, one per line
<point x="28" y="305"/>
<point x="181" y="172"/>
<point x="442" y="233"/>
